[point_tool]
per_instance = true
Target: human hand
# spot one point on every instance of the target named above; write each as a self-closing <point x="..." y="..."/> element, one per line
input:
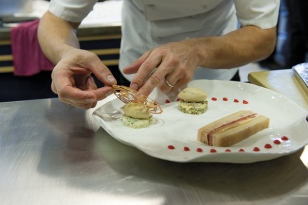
<point x="168" y="67"/>
<point x="72" y="81"/>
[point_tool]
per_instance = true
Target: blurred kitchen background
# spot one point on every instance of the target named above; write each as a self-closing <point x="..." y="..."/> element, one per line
<point x="100" y="33"/>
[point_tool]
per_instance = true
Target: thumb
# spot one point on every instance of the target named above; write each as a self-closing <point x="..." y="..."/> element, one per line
<point x="102" y="72"/>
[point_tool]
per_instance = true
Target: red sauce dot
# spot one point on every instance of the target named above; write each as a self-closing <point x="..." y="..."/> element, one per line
<point x="277" y="142"/>
<point x="213" y="151"/>
<point x="214" y="99"/>
<point x="171" y="147"/>
<point x="199" y="150"/>
<point x="225" y="99"/>
<point x="241" y="150"/>
<point x="186" y="149"/>
<point x="268" y="146"/>
<point x="236" y="100"/>
<point x="245" y="102"/>
<point x="167" y="101"/>
<point x="178" y="99"/>
<point x="227" y="150"/>
<point x="256" y="149"/>
<point x="285" y="138"/>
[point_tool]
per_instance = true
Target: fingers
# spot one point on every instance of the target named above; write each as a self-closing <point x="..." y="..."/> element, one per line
<point x="83" y="99"/>
<point x="81" y="62"/>
<point x="53" y="88"/>
<point x="147" y="77"/>
<point x="168" y="67"/>
<point x="90" y="84"/>
<point x="148" y="63"/>
<point x="96" y="66"/>
<point x="133" y="68"/>
<point x="168" y="83"/>
<point x="72" y="81"/>
<point x="85" y="95"/>
<point x="165" y="76"/>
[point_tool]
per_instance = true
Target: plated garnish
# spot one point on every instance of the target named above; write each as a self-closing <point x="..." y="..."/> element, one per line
<point x="232" y="128"/>
<point x="138" y="109"/>
<point x="136" y="115"/>
<point x="193" y="101"/>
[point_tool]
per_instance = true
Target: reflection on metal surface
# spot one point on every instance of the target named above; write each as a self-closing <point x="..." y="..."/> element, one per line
<point x="51" y="153"/>
<point x="304" y="156"/>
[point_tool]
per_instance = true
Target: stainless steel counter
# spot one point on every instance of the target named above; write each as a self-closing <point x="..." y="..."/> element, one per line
<point x="51" y="153"/>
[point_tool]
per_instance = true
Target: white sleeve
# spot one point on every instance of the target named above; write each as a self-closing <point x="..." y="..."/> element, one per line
<point x="261" y="13"/>
<point x="71" y="10"/>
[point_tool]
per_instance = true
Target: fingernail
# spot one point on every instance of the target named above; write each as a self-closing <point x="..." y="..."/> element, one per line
<point x="134" y="86"/>
<point x="109" y="93"/>
<point x="111" y="78"/>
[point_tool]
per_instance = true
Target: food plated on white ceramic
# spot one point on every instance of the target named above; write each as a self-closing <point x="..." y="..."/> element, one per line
<point x="136" y="115"/>
<point x="192" y="101"/>
<point x="233" y="128"/>
<point x="138" y="109"/>
<point x="172" y="134"/>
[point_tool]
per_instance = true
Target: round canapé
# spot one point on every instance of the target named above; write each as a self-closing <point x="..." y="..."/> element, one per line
<point x="136" y="115"/>
<point x="193" y="101"/>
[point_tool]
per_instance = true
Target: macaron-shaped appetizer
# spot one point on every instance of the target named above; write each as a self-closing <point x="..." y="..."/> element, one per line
<point x="136" y="115"/>
<point x="193" y="101"/>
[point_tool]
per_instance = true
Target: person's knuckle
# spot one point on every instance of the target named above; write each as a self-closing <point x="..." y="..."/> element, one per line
<point x="146" y="66"/>
<point x="146" y="91"/>
<point x="155" y="79"/>
<point x="64" y="94"/>
<point x="61" y="98"/>
<point x="84" y="54"/>
<point x="54" y="90"/>
<point x="160" y="51"/>
<point x="182" y="69"/>
<point x="174" y="60"/>
<point x="56" y="72"/>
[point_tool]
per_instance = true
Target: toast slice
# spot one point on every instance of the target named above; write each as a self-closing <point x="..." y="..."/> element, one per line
<point x="232" y="128"/>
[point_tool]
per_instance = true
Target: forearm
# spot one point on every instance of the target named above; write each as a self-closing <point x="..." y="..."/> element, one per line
<point x="56" y="37"/>
<point x="237" y="48"/>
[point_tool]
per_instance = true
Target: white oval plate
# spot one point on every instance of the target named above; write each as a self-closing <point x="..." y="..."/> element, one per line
<point x="172" y="127"/>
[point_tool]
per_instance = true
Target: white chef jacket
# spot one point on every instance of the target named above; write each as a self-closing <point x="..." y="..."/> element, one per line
<point x="147" y="24"/>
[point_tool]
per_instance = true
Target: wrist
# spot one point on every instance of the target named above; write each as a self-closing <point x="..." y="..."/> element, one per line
<point x="210" y="51"/>
<point x="65" y="51"/>
<point x="198" y="50"/>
